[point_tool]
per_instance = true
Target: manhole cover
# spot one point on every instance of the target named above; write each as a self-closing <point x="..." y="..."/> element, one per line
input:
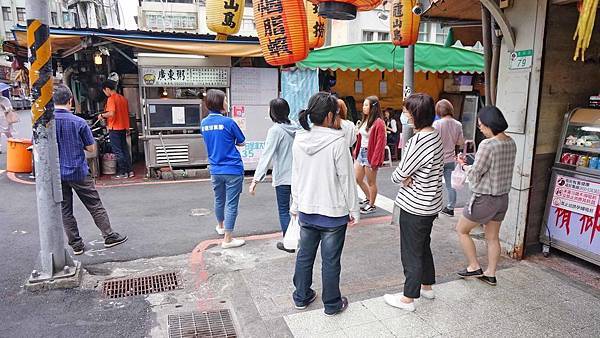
<point x="201" y="324"/>
<point x="125" y="287"/>
<point x="200" y="212"/>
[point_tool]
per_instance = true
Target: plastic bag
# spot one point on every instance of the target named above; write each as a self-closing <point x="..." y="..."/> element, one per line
<point x="458" y="178"/>
<point x="292" y="234"/>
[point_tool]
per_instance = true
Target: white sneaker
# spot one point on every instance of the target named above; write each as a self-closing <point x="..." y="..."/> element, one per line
<point x="220" y="231"/>
<point x="394" y="300"/>
<point x="427" y="294"/>
<point x="235" y="243"/>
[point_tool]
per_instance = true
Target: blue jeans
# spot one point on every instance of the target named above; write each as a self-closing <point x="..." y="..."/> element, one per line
<point x="448" y="169"/>
<point x="283" y="193"/>
<point x="227" y="190"/>
<point x="118" y="144"/>
<point x="332" y="243"/>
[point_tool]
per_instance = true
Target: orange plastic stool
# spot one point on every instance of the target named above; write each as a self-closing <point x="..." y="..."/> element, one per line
<point x="18" y="159"/>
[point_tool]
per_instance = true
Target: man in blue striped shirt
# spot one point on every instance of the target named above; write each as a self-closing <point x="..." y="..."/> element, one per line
<point x="73" y="135"/>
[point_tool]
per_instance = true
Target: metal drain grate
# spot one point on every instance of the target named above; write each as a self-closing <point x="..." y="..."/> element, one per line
<point x="116" y="288"/>
<point x="202" y="324"/>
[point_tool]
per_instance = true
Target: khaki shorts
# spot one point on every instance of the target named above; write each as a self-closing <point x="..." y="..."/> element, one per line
<point x="485" y="208"/>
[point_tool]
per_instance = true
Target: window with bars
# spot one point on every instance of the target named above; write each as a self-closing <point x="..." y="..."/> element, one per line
<point x="368" y="35"/>
<point x="54" y="18"/>
<point x="20" y="14"/>
<point x="6" y="14"/>
<point x="384" y="36"/>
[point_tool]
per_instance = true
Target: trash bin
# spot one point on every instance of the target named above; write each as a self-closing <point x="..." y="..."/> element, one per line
<point x="18" y="159"/>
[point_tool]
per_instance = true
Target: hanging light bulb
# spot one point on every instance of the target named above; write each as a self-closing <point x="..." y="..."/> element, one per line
<point x="98" y="58"/>
<point x="165" y="93"/>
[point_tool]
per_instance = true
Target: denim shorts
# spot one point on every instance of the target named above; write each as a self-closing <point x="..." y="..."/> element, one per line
<point x="362" y="158"/>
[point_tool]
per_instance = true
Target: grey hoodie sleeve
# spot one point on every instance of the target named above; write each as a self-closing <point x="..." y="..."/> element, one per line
<point x="345" y="173"/>
<point x="273" y="137"/>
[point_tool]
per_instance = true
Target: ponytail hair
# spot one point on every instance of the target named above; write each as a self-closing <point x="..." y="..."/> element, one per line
<point x="303" y="119"/>
<point x="319" y="106"/>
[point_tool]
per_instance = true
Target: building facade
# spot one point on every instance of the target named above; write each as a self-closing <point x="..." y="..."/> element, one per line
<point x="185" y="16"/>
<point x="375" y="26"/>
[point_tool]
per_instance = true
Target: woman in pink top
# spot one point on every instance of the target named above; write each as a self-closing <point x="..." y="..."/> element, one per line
<point x="452" y="135"/>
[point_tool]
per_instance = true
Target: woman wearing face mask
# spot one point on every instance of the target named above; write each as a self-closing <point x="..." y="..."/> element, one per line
<point x="278" y="150"/>
<point x="325" y="200"/>
<point x="420" y="200"/>
<point x="490" y="179"/>
<point x="369" y="152"/>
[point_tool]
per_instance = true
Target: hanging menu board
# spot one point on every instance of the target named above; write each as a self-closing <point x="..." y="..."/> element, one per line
<point x="166" y="76"/>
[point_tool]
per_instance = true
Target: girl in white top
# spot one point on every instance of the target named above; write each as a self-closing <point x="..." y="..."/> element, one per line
<point x="346" y="126"/>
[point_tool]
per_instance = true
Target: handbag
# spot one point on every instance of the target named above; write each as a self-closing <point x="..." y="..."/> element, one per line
<point x="458" y="178"/>
<point x="292" y="234"/>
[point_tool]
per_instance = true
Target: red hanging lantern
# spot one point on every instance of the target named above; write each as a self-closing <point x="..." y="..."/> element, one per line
<point x="282" y="30"/>
<point x="344" y="9"/>
<point x="315" y="25"/>
<point x="404" y="23"/>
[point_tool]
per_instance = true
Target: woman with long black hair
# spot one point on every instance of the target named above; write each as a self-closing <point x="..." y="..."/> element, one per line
<point x="324" y="199"/>
<point x="369" y="152"/>
<point x="278" y="150"/>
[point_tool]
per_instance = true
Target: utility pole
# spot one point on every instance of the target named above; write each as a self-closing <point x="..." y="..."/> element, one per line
<point x="54" y="261"/>
<point x="409" y="87"/>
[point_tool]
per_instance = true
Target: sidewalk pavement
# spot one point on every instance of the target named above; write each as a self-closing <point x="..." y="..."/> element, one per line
<point x="254" y="282"/>
<point x="528" y="302"/>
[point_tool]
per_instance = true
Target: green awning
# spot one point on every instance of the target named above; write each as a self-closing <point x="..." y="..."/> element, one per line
<point x="429" y="57"/>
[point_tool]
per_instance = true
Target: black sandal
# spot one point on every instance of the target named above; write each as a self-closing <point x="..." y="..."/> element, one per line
<point x="466" y="273"/>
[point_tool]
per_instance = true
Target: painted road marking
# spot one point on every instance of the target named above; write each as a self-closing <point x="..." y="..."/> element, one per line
<point x="381" y="202"/>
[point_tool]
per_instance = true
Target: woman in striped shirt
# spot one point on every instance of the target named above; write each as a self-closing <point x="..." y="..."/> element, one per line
<point x="490" y="179"/>
<point x="420" y="201"/>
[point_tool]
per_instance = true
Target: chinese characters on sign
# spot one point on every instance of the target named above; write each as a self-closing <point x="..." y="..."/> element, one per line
<point x="397" y="21"/>
<point x="231" y="8"/>
<point x="575" y="211"/>
<point x="576" y="195"/>
<point x="274" y="27"/>
<point x="185" y="77"/>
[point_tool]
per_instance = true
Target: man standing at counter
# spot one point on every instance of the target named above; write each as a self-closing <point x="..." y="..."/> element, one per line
<point x="73" y="136"/>
<point x="221" y="136"/>
<point x="117" y="116"/>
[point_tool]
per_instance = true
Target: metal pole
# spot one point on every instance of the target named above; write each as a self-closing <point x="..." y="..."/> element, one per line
<point x="54" y="261"/>
<point x="409" y="85"/>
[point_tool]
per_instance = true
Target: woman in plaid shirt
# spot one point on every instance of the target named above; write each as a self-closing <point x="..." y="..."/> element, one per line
<point x="490" y="179"/>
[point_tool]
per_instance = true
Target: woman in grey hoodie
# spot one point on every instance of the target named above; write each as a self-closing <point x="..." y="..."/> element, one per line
<point x="325" y="200"/>
<point x="278" y="151"/>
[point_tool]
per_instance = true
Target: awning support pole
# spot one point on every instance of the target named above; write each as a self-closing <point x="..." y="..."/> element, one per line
<point x="124" y="54"/>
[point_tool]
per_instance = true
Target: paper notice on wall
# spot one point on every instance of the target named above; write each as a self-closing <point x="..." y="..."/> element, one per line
<point x="241" y="122"/>
<point x="239" y="111"/>
<point x="178" y="115"/>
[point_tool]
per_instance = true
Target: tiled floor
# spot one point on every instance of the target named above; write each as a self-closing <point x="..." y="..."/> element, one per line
<point x="528" y="302"/>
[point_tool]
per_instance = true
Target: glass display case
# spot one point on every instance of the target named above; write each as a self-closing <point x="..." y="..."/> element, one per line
<point x="572" y="216"/>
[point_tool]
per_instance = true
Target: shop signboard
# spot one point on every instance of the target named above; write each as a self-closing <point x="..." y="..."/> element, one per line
<point x="166" y="76"/>
<point x="574" y="213"/>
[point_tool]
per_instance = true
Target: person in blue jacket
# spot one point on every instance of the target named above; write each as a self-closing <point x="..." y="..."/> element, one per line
<point x="278" y="151"/>
<point x="221" y="136"/>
